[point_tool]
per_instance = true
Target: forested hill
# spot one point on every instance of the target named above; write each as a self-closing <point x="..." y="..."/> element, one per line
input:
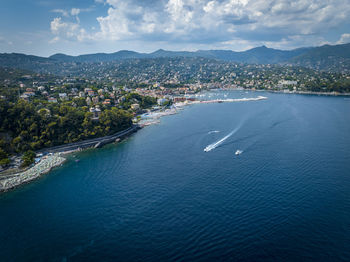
<point x="327" y="57"/>
<point x="258" y="55"/>
<point x="334" y="58"/>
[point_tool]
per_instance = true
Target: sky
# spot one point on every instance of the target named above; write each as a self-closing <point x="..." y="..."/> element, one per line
<point x="46" y="27"/>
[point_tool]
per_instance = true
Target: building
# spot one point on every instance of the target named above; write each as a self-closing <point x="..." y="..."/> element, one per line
<point x="52" y="100"/>
<point x="24" y="96"/>
<point x="74" y="90"/>
<point x="179" y="99"/>
<point x="161" y="101"/>
<point x="287" y="82"/>
<point x="107" y="102"/>
<point x="88" y="101"/>
<point x="96" y="111"/>
<point x="63" y="96"/>
<point x="29" y="94"/>
<point x="135" y="106"/>
<point x="95" y="99"/>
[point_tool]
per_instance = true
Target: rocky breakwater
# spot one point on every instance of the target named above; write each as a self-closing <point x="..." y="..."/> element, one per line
<point x="42" y="167"/>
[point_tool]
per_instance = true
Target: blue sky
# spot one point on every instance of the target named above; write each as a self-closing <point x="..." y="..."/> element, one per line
<point x="45" y="27"/>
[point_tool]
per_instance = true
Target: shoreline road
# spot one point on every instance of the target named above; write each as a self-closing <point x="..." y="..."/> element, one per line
<point x="95" y="142"/>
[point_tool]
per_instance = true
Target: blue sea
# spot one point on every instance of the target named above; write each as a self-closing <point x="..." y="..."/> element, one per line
<point x="157" y="196"/>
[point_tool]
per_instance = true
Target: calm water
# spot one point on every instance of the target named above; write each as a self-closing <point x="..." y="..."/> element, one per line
<point x="159" y="197"/>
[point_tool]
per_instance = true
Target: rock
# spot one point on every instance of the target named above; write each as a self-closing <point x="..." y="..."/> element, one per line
<point x="40" y="168"/>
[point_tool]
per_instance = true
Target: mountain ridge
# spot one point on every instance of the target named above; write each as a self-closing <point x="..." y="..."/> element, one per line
<point x="253" y="55"/>
<point x="326" y="57"/>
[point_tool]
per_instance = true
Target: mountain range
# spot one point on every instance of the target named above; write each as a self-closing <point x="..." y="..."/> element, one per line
<point x="327" y="57"/>
<point x="258" y="55"/>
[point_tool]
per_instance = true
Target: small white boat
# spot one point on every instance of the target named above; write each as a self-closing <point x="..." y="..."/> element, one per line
<point x="238" y="152"/>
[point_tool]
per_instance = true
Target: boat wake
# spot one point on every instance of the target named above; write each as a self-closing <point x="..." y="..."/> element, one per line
<point x="217" y="143"/>
<point x="212" y="132"/>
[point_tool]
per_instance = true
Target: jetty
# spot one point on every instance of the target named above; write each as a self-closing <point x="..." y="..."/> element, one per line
<point x="233" y="100"/>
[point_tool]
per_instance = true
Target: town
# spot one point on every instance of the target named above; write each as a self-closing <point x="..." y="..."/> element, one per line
<point x="44" y="109"/>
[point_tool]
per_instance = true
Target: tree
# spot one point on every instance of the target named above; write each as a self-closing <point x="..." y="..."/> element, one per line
<point x="4" y="160"/>
<point x="28" y="158"/>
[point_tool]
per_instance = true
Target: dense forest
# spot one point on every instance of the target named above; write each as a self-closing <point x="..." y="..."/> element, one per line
<point x="29" y="126"/>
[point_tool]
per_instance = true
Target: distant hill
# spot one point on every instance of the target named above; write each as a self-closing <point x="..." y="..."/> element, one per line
<point x="22" y="61"/>
<point x="328" y="58"/>
<point x="99" y="57"/>
<point x="259" y="55"/>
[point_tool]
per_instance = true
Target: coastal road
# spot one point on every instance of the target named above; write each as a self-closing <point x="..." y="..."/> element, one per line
<point x="91" y="142"/>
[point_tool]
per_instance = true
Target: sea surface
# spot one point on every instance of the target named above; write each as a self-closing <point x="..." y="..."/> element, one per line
<point x="158" y="196"/>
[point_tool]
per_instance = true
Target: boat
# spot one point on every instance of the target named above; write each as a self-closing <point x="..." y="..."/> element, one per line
<point x="238" y="152"/>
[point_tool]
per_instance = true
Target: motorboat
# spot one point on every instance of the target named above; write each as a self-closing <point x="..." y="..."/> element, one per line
<point x="238" y="152"/>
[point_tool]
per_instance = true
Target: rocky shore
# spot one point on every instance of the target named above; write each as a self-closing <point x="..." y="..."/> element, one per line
<point x="42" y="167"/>
<point x="54" y="157"/>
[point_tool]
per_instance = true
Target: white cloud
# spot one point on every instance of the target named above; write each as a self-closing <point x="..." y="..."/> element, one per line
<point x="75" y="11"/>
<point x="5" y="41"/>
<point x="344" y="39"/>
<point x="202" y="17"/>
<point x="67" y="30"/>
<point x="61" y="11"/>
<point x="72" y="12"/>
<point x="212" y="22"/>
<point x="54" y="40"/>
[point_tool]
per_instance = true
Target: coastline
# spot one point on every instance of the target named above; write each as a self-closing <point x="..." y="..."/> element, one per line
<point x="42" y="167"/>
<point x="55" y="157"/>
<point x="152" y="118"/>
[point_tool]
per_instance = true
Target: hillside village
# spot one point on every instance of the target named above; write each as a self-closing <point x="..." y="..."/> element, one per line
<point x="106" y="84"/>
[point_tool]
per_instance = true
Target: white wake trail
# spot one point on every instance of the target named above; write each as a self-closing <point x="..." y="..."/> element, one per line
<point x="216" y="144"/>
